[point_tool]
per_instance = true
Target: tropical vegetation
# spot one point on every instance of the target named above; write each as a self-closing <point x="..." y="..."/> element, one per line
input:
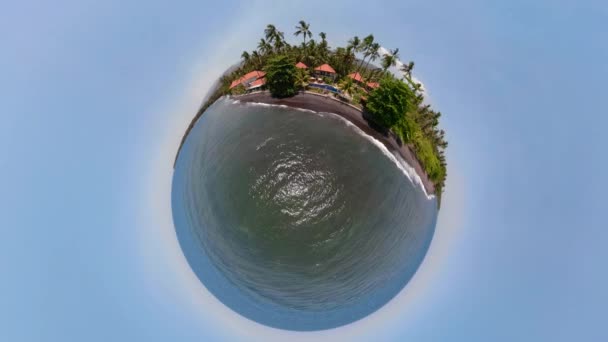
<point x="281" y="75"/>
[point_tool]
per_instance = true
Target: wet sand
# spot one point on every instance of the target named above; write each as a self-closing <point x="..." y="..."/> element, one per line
<point x="327" y="104"/>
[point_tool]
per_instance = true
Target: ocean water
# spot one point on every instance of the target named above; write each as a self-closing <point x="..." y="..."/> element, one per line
<point x="295" y="219"/>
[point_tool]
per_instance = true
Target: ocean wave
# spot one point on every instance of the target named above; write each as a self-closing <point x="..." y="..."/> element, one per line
<point x="403" y="165"/>
<point x="261" y="104"/>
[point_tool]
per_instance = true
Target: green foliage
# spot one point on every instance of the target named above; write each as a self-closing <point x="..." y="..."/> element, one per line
<point x="396" y="106"/>
<point x="410" y="132"/>
<point x="315" y="90"/>
<point x="389" y="102"/>
<point x="281" y="76"/>
<point x="238" y="90"/>
<point x="302" y="76"/>
<point x="347" y="85"/>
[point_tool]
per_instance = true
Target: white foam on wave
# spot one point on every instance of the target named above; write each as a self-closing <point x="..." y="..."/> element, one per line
<point x="263" y="143"/>
<point x="261" y="104"/>
<point x="405" y="168"/>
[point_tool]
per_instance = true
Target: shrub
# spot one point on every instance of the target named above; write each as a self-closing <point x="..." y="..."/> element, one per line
<point x="389" y="102"/>
<point x="281" y="76"/>
<point x="238" y="90"/>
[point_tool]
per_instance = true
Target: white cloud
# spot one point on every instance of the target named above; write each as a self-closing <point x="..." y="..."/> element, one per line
<point x="396" y="70"/>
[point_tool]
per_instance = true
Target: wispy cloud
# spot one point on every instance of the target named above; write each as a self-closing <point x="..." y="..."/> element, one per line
<point x="396" y="70"/>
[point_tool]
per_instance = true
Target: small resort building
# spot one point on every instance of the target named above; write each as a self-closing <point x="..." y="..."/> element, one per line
<point x="355" y="76"/>
<point x="359" y="79"/>
<point x="301" y="65"/>
<point x="258" y="84"/>
<point x="325" y="70"/>
<point x="249" y="78"/>
<point x="372" y="85"/>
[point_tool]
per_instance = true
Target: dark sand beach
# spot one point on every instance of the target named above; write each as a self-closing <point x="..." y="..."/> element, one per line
<point x="327" y="104"/>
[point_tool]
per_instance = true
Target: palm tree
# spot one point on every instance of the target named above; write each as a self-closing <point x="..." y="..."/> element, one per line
<point x="365" y="48"/>
<point x="245" y="56"/>
<point x="323" y="47"/>
<point x="407" y="69"/>
<point x="302" y="78"/>
<point x="312" y="59"/>
<point x="354" y="46"/>
<point x="270" y="32"/>
<point x="341" y="60"/>
<point x="347" y="86"/>
<point x="303" y="29"/>
<point x="323" y="36"/>
<point x="257" y="59"/>
<point x="275" y="37"/>
<point x="390" y="59"/>
<point x="264" y="47"/>
<point x="312" y="48"/>
<point x="374" y="53"/>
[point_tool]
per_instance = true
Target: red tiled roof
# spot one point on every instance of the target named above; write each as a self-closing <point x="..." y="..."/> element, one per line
<point x="254" y="74"/>
<point x="326" y="68"/>
<point x="235" y="83"/>
<point x="373" y="84"/>
<point x="301" y="65"/>
<point x="258" y="82"/>
<point x="356" y="76"/>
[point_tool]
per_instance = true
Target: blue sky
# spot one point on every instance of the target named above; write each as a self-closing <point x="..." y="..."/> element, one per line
<point x="95" y="98"/>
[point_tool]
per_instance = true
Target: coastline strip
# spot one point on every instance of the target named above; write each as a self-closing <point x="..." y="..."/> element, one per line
<point x="324" y="104"/>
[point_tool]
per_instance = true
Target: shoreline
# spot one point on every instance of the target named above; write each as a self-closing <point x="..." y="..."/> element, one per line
<point x="322" y="103"/>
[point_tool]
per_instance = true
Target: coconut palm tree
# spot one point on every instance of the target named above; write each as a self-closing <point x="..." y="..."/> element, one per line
<point x="323" y="36"/>
<point x="354" y="45"/>
<point x="303" y="29"/>
<point x="347" y="85"/>
<point x="374" y="53"/>
<point x="263" y="47"/>
<point x="323" y="47"/>
<point x="270" y="32"/>
<point x="341" y="60"/>
<point x="302" y="76"/>
<point x="390" y="59"/>
<point x="245" y="56"/>
<point x="257" y="59"/>
<point x="407" y="69"/>
<point x="365" y="48"/>
<point x="274" y="37"/>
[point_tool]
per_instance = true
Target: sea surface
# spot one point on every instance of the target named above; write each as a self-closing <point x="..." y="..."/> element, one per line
<point x="295" y="219"/>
